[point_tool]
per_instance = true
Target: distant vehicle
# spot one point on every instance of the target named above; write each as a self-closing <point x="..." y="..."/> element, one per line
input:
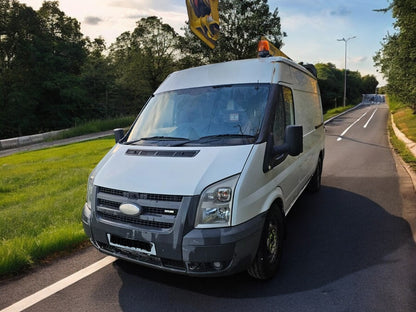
<point x="202" y="182"/>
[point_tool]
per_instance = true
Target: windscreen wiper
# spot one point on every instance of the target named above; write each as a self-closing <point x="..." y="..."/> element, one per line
<point x="215" y="137"/>
<point x="157" y="138"/>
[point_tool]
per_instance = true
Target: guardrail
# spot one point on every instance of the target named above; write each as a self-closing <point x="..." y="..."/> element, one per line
<point x="28" y="139"/>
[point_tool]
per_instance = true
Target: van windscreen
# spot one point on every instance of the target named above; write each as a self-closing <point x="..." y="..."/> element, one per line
<point x="187" y="116"/>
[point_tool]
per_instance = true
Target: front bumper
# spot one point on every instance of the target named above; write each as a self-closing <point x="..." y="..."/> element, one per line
<point x="185" y="250"/>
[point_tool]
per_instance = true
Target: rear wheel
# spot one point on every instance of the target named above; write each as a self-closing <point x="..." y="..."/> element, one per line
<point x="269" y="253"/>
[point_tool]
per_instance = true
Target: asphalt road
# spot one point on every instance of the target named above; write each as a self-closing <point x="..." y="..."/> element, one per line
<point x="349" y="248"/>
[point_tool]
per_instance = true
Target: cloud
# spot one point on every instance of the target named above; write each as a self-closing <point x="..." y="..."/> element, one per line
<point x="340" y="11"/>
<point x="137" y="16"/>
<point x="130" y="4"/>
<point x="359" y="59"/>
<point x="92" y="20"/>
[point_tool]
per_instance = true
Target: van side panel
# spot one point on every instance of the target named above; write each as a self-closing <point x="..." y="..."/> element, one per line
<point x="256" y="191"/>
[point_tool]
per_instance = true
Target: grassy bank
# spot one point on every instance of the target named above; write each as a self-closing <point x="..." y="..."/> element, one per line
<point x="41" y="196"/>
<point x="401" y="149"/>
<point x="405" y="120"/>
<point x="95" y="126"/>
<point x="336" y="111"/>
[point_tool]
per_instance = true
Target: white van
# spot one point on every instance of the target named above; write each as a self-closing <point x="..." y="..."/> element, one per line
<point x="203" y="180"/>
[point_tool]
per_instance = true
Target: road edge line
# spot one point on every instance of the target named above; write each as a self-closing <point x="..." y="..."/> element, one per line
<point x="58" y="286"/>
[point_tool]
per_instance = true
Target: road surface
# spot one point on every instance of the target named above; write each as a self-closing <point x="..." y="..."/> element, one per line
<point x="350" y="247"/>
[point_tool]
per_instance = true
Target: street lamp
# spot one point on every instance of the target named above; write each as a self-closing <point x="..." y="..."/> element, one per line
<point x="345" y="74"/>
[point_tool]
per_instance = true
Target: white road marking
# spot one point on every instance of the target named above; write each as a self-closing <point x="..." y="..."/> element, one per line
<point x="346" y="130"/>
<point x="372" y="115"/>
<point x="58" y="286"/>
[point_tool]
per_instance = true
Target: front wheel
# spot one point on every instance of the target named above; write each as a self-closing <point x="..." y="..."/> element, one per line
<point x="267" y="260"/>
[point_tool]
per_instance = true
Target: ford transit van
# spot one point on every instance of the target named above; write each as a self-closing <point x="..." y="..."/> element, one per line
<point x="203" y="180"/>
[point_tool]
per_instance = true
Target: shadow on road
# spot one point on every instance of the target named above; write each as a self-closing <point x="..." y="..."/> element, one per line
<point x="331" y="235"/>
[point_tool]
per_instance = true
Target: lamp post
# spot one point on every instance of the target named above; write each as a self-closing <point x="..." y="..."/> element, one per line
<point x="345" y="73"/>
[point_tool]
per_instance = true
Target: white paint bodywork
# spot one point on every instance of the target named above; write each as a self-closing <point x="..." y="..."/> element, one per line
<point x="255" y="191"/>
<point x="171" y="175"/>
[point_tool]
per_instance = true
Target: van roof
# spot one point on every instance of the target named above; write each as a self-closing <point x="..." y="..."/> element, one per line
<point x="258" y="70"/>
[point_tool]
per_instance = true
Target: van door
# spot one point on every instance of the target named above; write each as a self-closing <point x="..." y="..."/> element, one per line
<point x="283" y="166"/>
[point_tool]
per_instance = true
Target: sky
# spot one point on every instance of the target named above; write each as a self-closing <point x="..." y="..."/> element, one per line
<point x="313" y="27"/>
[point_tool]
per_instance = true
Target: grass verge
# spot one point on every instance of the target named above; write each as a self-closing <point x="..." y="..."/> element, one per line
<point x="401" y="149"/>
<point x="404" y="118"/>
<point x="336" y="111"/>
<point x="41" y="196"/>
<point x="96" y="126"/>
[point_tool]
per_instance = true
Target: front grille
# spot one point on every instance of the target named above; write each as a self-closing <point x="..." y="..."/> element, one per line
<point x="134" y="195"/>
<point x="158" y="211"/>
<point x="133" y="220"/>
<point x="110" y="191"/>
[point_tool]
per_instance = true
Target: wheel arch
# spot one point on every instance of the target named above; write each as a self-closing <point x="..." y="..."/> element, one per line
<point x="278" y="205"/>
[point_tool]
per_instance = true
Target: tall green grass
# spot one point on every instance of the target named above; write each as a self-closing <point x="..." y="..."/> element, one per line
<point x="394" y="104"/>
<point x="404" y="117"/>
<point x="401" y="149"/>
<point x="336" y="111"/>
<point x="41" y="198"/>
<point x="94" y="126"/>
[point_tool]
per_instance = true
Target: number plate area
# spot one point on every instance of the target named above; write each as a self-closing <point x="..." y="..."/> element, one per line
<point x="147" y="248"/>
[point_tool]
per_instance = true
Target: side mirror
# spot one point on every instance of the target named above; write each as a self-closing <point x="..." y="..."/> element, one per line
<point x="292" y="146"/>
<point x="294" y="138"/>
<point x="118" y="134"/>
<point x="293" y="141"/>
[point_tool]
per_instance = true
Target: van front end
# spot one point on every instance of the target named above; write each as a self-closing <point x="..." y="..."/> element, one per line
<point x="163" y="235"/>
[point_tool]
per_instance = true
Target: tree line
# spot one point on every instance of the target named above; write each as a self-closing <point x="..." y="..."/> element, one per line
<point x="397" y="57"/>
<point x="53" y="77"/>
<point x="331" y="83"/>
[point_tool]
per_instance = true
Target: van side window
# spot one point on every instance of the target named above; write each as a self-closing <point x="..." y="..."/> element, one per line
<point x="288" y="102"/>
<point x="284" y="115"/>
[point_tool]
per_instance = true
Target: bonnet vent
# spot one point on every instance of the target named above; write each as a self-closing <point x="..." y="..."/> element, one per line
<point x="162" y="153"/>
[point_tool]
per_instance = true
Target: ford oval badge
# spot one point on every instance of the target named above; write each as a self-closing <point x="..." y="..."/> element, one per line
<point x="130" y="209"/>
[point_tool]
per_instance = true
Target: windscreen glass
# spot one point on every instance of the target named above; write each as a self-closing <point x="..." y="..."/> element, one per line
<point x="202" y="116"/>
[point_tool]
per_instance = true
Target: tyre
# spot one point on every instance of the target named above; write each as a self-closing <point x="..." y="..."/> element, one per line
<point x="315" y="183"/>
<point x="267" y="260"/>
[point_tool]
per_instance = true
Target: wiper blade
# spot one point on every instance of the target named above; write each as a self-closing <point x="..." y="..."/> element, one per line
<point x="157" y="138"/>
<point x="164" y="138"/>
<point x="228" y="135"/>
<point x="210" y="138"/>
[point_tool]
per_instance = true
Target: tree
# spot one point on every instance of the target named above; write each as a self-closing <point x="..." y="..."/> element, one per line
<point x="143" y="58"/>
<point x="369" y="84"/>
<point x="62" y="59"/>
<point x="397" y="57"/>
<point x="98" y="78"/>
<point x="243" y="22"/>
<point x="331" y="83"/>
<point x="41" y="54"/>
<point x="19" y="94"/>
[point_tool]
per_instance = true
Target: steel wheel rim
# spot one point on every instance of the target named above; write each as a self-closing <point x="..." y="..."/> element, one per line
<point x="272" y="242"/>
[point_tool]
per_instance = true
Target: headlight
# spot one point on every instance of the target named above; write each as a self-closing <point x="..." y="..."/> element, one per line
<point x="90" y="189"/>
<point x="215" y="205"/>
